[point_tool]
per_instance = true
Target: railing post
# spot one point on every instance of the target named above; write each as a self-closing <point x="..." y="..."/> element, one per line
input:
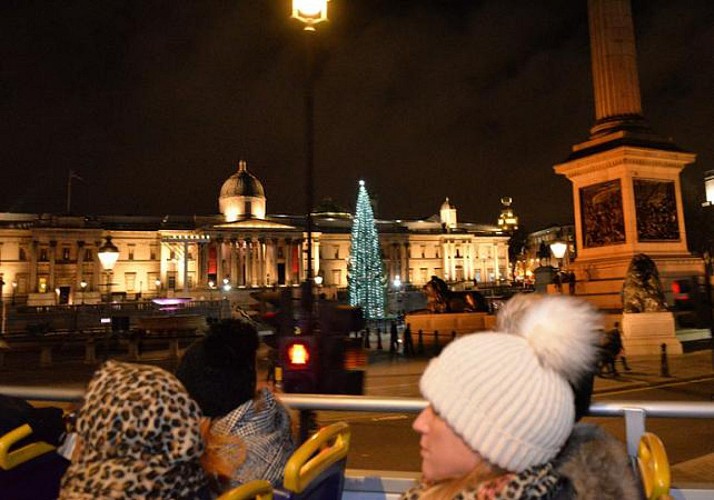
<point x="90" y="351"/>
<point x="173" y="349"/>
<point x="634" y="429"/>
<point x="46" y="356"/>
<point x="664" y="363"/>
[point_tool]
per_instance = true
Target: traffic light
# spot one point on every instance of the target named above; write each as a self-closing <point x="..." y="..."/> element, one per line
<point x="299" y="360"/>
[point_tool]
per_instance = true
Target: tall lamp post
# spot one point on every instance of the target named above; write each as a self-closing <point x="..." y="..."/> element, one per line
<point x="108" y="255"/>
<point x="310" y="13"/>
<point x="83" y="286"/>
<point x="708" y="208"/>
<point x="559" y="247"/>
<point x="14" y="291"/>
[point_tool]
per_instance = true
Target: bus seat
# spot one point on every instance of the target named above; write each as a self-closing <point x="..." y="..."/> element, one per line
<point x="33" y="471"/>
<point x="259" y="489"/>
<point x="653" y="467"/>
<point x="11" y="459"/>
<point x="316" y="469"/>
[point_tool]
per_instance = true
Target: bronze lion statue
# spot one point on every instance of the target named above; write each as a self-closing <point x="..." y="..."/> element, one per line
<point x="642" y="290"/>
<point x="442" y="300"/>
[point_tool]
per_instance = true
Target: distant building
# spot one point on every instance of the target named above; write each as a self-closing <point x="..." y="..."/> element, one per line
<point x="52" y="259"/>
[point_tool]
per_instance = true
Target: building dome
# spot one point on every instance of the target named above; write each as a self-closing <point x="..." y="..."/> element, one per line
<point x="242" y="196"/>
<point x="242" y="183"/>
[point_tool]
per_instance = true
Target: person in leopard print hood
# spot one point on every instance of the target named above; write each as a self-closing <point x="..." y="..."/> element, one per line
<point x="138" y="437"/>
<point x="501" y="417"/>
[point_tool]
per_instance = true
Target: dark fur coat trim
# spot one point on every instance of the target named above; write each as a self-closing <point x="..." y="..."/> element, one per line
<point x="596" y="466"/>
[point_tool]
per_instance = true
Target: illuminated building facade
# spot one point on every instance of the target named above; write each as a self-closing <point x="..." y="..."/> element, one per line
<point x="52" y="259"/>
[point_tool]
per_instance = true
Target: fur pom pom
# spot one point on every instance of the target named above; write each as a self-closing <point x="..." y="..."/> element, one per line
<point x="563" y="331"/>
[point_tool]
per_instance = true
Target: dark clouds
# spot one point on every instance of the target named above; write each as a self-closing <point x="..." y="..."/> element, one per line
<point x="154" y="102"/>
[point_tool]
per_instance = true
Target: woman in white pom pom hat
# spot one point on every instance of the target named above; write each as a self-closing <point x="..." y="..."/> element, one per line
<point x="502" y="407"/>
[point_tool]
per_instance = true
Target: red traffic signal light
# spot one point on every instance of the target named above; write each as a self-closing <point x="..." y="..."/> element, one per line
<point x="298" y="359"/>
<point x="298" y="355"/>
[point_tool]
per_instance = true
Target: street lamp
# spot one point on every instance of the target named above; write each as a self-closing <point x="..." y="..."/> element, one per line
<point x="14" y="291"/>
<point x="559" y="247"/>
<point x="310" y="13"/>
<point x="211" y="286"/>
<point x="108" y="255"/>
<point x="83" y="286"/>
<point x="157" y="282"/>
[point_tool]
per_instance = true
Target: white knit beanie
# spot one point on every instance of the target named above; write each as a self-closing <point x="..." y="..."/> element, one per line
<point x="507" y="394"/>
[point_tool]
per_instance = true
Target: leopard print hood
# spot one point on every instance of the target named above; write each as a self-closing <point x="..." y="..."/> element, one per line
<point x="140" y="437"/>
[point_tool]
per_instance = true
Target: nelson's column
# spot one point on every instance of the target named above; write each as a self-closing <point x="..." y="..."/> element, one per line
<point x="626" y="186"/>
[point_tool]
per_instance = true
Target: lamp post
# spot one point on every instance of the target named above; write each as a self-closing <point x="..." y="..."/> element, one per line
<point x="108" y="255"/>
<point x="310" y="13"/>
<point x="211" y="286"/>
<point x="83" y="286"/>
<point x="14" y="291"/>
<point x="708" y="208"/>
<point x="559" y="247"/>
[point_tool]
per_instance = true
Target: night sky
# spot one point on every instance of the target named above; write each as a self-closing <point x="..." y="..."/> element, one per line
<point x="154" y="102"/>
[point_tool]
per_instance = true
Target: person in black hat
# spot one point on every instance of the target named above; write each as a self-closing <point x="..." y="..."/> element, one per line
<point x="250" y="432"/>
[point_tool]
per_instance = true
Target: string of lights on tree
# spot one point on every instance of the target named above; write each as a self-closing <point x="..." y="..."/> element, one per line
<point x="366" y="279"/>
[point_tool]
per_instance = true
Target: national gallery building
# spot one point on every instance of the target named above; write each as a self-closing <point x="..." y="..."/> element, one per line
<point x="53" y="259"/>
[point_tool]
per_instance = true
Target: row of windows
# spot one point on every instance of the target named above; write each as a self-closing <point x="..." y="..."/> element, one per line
<point x="66" y="255"/>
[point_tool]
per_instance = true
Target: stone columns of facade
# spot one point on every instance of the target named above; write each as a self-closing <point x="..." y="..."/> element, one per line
<point x="405" y="263"/>
<point x="288" y="261"/>
<point x="202" y="264"/>
<point x="263" y="261"/>
<point x="315" y="256"/>
<point x="271" y="273"/>
<point x="33" y="266"/>
<point x="614" y="62"/>
<point x="249" y="258"/>
<point x="185" y="266"/>
<point x="219" y="262"/>
<point x="445" y="260"/>
<point x="97" y="274"/>
<point x="465" y="261"/>
<point x="300" y="260"/>
<point x="53" y="263"/>
<point x="508" y="265"/>
<point x="236" y="262"/>
<point x="496" y="269"/>
<point x="80" y="266"/>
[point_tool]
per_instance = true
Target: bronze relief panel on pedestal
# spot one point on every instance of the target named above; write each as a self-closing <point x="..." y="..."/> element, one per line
<point x="603" y="221"/>
<point x="656" y="210"/>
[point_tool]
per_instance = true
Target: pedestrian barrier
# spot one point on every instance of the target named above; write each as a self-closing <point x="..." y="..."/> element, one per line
<point x="378" y="484"/>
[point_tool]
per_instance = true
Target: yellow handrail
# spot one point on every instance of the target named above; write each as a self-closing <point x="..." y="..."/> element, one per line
<point x="654" y="467"/>
<point x="259" y="489"/>
<point x="10" y="459"/>
<point x="302" y="467"/>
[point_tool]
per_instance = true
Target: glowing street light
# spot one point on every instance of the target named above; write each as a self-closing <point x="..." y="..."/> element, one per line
<point x="108" y="255"/>
<point x="83" y="286"/>
<point x="559" y="248"/>
<point x="310" y="12"/>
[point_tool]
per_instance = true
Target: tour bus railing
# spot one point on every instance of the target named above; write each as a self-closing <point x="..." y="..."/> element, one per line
<point x="634" y="412"/>
<point x="388" y="485"/>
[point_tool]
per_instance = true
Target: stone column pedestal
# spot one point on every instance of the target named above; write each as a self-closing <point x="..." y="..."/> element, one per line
<point x="644" y="333"/>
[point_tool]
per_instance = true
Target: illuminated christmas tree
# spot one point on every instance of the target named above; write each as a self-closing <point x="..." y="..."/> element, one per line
<point x="367" y="283"/>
